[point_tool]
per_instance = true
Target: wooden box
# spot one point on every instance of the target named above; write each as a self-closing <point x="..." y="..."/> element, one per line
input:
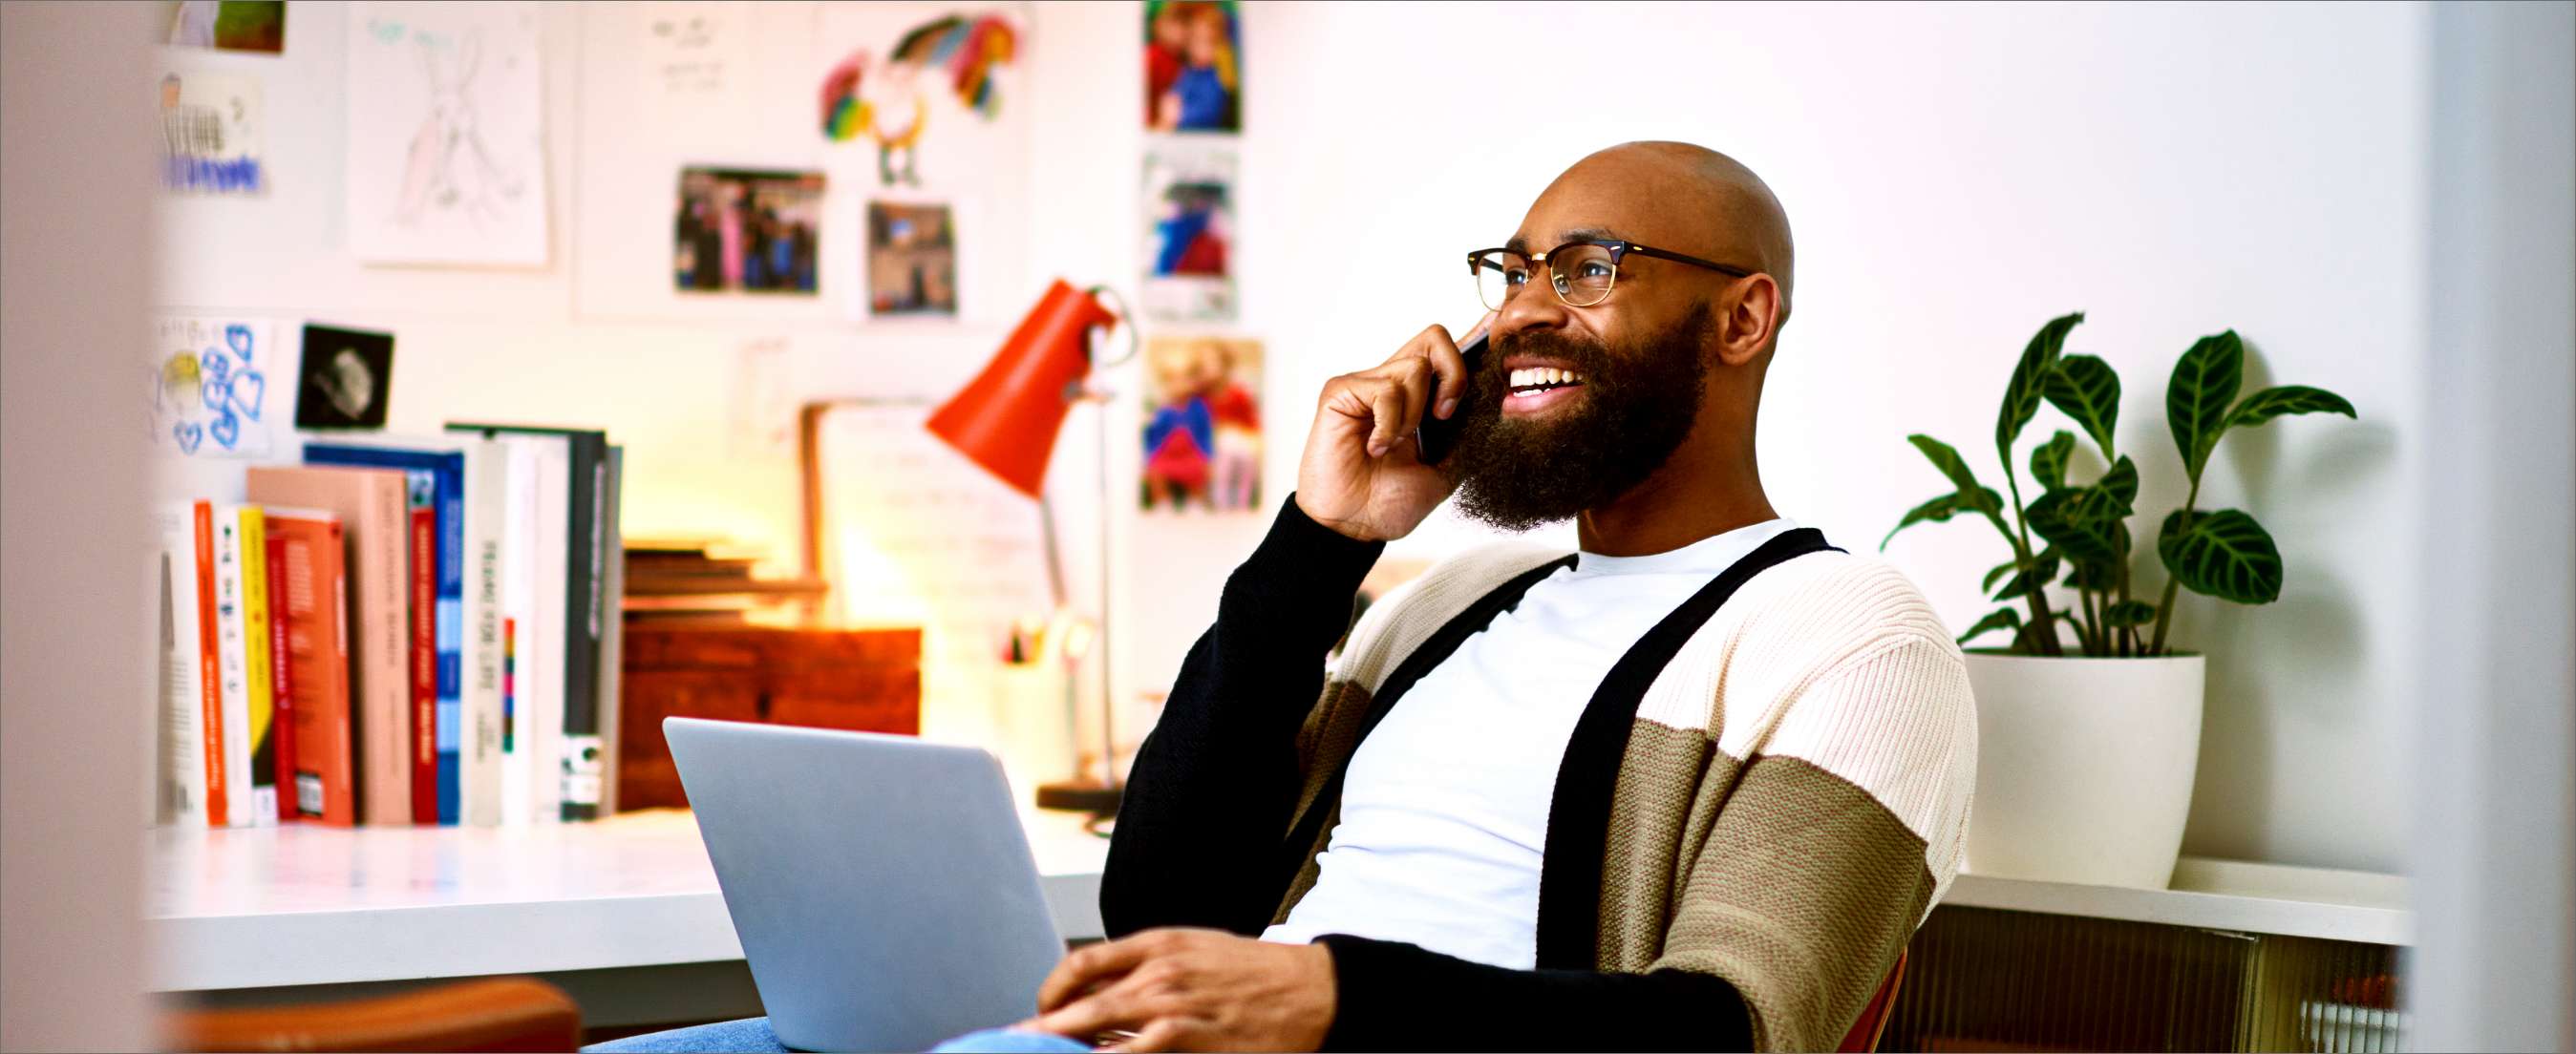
<point x="865" y="680"/>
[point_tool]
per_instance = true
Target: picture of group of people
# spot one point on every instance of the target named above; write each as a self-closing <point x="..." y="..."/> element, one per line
<point x="747" y="231"/>
<point x="1202" y="425"/>
<point x="1193" y="82"/>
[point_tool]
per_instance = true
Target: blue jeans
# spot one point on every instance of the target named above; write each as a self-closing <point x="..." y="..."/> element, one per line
<point x="751" y="1035"/>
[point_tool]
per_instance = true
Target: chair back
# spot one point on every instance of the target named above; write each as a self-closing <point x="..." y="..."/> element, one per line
<point x="1865" y="1032"/>
<point x="500" y="1014"/>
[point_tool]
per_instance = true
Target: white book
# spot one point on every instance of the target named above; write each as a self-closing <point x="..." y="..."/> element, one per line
<point x="181" y="797"/>
<point x="536" y="525"/>
<point x="232" y="639"/>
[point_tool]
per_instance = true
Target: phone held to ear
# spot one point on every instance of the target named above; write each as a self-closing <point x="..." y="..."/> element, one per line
<point x="1436" y="438"/>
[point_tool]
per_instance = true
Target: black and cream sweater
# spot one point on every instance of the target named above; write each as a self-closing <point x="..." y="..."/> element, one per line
<point x="1759" y="805"/>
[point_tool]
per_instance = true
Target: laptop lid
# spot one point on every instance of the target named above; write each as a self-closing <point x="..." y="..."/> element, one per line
<point x="881" y="886"/>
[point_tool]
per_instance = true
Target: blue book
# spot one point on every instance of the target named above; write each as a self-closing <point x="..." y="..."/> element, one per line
<point x="444" y="472"/>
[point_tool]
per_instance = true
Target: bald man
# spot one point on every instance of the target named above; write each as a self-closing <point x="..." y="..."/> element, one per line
<point x="1692" y="786"/>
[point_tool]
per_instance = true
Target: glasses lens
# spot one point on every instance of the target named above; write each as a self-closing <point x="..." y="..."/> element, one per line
<point x="1582" y="274"/>
<point x="1498" y="276"/>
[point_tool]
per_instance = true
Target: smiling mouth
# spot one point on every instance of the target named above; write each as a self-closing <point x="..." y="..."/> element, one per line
<point x="1540" y="379"/>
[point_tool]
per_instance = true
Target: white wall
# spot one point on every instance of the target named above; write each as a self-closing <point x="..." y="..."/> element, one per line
<point x="1955" y="176"/>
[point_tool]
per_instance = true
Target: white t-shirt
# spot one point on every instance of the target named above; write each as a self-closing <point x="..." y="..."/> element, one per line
<point x="1444" y="812"/>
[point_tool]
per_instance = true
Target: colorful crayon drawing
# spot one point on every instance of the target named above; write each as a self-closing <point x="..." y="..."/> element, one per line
<point x="886" y="100"/>
<point x="210" y="386"/>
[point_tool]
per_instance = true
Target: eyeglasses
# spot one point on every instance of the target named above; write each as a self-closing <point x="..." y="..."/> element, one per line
<point x="1582" y="271"/>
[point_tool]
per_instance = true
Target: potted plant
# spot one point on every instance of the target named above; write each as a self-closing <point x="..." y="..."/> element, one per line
<point x="2088" y="719"/>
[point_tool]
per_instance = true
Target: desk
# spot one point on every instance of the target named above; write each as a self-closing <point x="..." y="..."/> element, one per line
<point x="303" y="905"/>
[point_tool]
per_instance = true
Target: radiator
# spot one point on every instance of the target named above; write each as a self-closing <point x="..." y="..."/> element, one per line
<point x="1979" y="979"/>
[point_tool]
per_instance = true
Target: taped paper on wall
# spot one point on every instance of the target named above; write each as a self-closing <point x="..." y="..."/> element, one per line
<point x="446" y="146"/>
<point x="209" y="380"/>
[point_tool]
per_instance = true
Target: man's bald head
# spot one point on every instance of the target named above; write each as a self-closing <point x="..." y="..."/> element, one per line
<point x="1711" y="195"/>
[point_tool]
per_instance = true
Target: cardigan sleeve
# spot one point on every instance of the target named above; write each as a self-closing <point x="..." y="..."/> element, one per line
<point x="1839" y="835"/>
<point x="1212" y="787"/>
<point x="1393" y="996"/>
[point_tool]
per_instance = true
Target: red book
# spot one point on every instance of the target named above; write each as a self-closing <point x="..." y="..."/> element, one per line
<point x="281" y="679"/>
<point x="210" y="677"/>
<point x="424" y="659"/>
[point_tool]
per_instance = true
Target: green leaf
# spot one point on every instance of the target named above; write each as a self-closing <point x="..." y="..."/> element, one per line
<point x="2121" y="484"/>
<point x="2085" y="388"/>
<point x="2048" y="460"/>
<point x="1940" y="509"/>
<point x="2204" y="383"/>
<point x="2221" y="553"/>
<point x="2037" y="577"/>
<point x="1946" y="458"/>
<point x="1996" y="573"/>
<point x="2096" y="575"/>
<point x="2287" y="399"/>
<point x="2084" y="522"/>
<point x="2129" y="613"/>
<point x="2021" y="396"/>
<point x="1999" y="618"/>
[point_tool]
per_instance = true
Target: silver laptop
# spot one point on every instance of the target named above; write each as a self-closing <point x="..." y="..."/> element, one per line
<point x="881" y="886"/>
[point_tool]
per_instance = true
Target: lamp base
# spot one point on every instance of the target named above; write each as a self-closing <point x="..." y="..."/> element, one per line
<point x="1082" y="795"/>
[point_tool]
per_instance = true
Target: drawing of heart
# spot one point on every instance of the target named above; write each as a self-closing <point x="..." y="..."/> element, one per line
<point x="238" y="338"/>
<point x="249" y="391"/>
<point x="226" y="427"/>
<point x="189" y="434"/>
<point x="217" y="390"/>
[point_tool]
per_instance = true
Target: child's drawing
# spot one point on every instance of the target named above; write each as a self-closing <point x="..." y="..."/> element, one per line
<point x="446" y="147"/>
<point x="884" y="95"/>
<point x="209" y="381"/>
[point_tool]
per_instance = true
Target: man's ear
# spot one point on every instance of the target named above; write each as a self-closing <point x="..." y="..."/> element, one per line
<point x="1748" y="319"/>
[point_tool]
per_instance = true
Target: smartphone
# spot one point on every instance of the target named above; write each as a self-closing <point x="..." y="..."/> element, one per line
<point x="1436" y="438"/>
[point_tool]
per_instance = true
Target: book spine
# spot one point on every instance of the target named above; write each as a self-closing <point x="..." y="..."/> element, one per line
<point x="450" y="636"/>
<point x="380" y="704"/>
<point x="586" y="561"/>
<point x="258" y="666"/>
<point x="337" y="787"/>
<point x="612" y="644"/>
<point x="182" y="768"/>
<point x="232" y="668"/>
<point x="480" y="754"/>
<point x="424" y="671"/>
<point x="281" y="679"/>
<point x="210" y="675"/>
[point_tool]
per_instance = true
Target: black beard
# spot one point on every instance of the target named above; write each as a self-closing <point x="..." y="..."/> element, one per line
<point x="1635" y="408"/>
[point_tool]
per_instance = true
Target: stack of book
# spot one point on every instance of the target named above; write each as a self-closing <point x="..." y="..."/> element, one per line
<point x="705" y="582"/>
<point x="399" y="630"/>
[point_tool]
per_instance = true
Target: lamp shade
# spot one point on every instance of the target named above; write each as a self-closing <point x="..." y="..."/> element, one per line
<point x="1006" y="419"/>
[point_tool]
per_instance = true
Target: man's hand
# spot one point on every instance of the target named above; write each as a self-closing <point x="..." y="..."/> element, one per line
<point x="1360" y="474"/>
<point x="1189" y="989"/>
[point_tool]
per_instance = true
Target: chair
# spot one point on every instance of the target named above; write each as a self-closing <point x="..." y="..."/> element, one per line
<point x="1865" y="1032"/>
<point x="500" y="1014"/>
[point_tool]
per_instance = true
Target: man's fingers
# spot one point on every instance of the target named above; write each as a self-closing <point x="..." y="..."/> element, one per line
<point x="1168" y="1033"/>
<point x="1396" y="405"/>
<point x="1123" y="1005"/>
<point x="1087" y="967"/>
<point x="1448" y="367"/>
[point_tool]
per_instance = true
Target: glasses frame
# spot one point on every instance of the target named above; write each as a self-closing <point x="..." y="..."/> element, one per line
<point x="1619" y="250"/>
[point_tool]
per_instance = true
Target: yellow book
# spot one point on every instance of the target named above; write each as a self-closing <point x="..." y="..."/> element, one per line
<point x="255" y="650"/>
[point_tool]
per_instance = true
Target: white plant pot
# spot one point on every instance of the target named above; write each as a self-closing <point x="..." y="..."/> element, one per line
<point x="2084" y="767"/>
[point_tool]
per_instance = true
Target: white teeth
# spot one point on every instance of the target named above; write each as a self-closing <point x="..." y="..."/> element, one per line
<point x="1537" y="375"/>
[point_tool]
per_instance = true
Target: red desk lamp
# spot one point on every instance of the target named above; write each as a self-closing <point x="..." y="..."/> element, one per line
<point x="1006" y="420"/>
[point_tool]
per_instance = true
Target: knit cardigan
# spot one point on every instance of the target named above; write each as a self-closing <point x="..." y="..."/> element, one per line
<point x="1790" y="802"/>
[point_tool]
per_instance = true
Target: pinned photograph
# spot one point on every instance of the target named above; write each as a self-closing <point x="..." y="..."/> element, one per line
<point x="912" y="260"/>
<point x="1202" y="425"/>
<point x="227" y="25"/>
<point x="346" y="377"/>
<point x="211" y="134"/>
<point x="1189" y="234"/>
<point x="1193" y="77"/>
<point x="747" y="231"/>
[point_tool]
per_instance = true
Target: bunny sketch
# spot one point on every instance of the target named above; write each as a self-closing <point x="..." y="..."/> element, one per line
<point x="449" y="166"/>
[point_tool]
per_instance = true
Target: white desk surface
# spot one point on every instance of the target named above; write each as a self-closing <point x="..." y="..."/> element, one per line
<point x="303" y="904"/>
<point x="2237" y="895"/>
